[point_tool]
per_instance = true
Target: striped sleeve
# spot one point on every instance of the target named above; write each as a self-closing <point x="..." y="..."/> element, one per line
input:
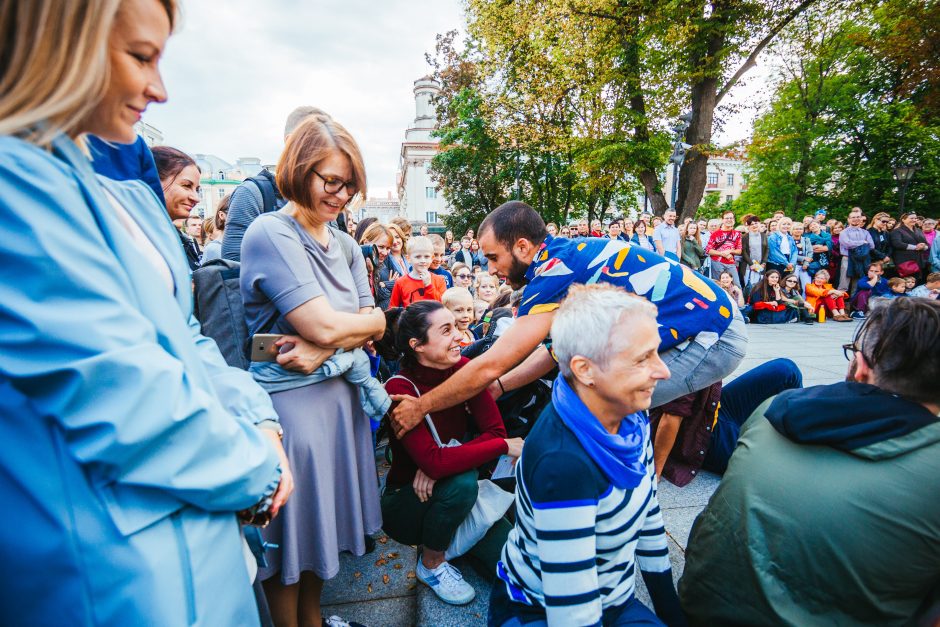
<point x="564" y="504"/>
<point x="652" y="550"/>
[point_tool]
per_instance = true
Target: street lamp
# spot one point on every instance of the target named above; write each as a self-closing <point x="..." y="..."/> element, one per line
<point x="678" y="152"/>
<point x="904" y="174"/>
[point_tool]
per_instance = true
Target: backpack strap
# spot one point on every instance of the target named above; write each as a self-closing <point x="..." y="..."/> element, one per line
<point x="270" y="195"/>
<point x="427" y="417"/>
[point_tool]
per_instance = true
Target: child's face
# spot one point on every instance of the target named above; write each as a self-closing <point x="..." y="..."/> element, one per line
<point x="463" y="312"/>
<point x="909" y="282"/>
<point x="420" y="259"/>
<point x="479" y="308"/>
<point x="900" y="288"/>
<point x="874" y="273"/>
<point x="437" y="257"/>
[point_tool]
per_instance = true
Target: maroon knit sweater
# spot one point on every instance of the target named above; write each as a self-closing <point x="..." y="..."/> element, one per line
<point x="417" y="448"/>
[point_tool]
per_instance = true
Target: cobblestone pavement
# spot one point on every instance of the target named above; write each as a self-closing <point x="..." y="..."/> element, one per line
<point x="379" y="589"/>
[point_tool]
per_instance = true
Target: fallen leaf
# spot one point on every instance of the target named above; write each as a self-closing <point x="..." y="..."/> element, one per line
<point x="357" y="575"/>
<point x="381" y="562"/>
<point x="383" y="540"/>
<point x="385" y="579"/>
<point x="413" y="586"/>
<point x="369" y="588"/>
<point x="392" y="556"/>
<point x="397" y="566"/>
<point x="411" y="574"/>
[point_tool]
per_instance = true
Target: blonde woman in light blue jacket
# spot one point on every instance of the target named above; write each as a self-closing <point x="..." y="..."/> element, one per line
<point x="128" y="445"/>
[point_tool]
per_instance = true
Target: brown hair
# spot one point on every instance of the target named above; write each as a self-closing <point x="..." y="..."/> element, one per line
<point x="221" y="213"/>
<point x="315" y="139"/>
<point x="895" y="281"/>
<point x="170" y="162"/>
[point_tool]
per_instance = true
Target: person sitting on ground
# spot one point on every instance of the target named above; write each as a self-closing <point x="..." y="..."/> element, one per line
<point x="699" y="431"/>
<point x="897" y="287"/>
<point x="460" y="303"/>
<point x="930" y="289"/>
<point x="432" y="484"/>
<point x="828" y="512"/>
<point x="910" y="283"/>
<point x="734" y="293"/>
<point x="691" y="307"/>
<point x="420" y="283"/>
<point x="586" y="509"/>
<point x="793" y="299"/>
<point x="437" y="260"/>
<point x="871" y="286"/>
<point x="820" y="293"/>
<point x="766" y="301"/>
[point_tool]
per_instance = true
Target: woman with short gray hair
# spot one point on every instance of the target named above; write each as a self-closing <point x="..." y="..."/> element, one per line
<point x="586" y="507"/>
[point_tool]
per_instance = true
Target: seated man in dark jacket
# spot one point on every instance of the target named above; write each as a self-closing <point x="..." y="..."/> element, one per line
<point x="828" y="513"/>
<point x="700" y="430"/>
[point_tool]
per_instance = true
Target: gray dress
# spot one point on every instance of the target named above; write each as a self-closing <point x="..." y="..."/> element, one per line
<point x="327" y="436"/>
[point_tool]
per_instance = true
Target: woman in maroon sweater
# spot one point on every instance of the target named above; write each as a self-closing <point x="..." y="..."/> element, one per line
<point x="431" y="489"/>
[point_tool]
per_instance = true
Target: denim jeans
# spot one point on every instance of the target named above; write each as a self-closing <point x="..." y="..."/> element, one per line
<point x="697" y="363"/>
<point x="739" y="399"/>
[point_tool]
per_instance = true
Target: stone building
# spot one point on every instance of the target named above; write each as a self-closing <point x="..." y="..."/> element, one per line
<point x="419" y="199"/>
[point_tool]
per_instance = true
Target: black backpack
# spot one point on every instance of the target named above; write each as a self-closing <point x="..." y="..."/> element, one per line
<point x="271" y="198"/>
<point x="217" y="303"/>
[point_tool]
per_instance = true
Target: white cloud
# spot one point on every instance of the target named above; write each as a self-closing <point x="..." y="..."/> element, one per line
<point x="234" y="70"/>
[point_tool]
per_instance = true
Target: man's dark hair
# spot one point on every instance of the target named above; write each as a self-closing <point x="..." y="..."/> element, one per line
<point x="901" y="343"/>
<point x="512" y="221"/>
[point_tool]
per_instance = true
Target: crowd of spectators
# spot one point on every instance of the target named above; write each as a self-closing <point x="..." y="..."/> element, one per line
<point x="162" y="473"/>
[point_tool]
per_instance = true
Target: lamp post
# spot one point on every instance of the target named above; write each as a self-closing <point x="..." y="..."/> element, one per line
<point x="678" y="153"/>
<point x="904" y="174"/>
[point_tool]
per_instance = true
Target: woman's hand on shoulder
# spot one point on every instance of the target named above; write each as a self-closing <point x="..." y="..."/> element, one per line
<point x="514" y="446"/>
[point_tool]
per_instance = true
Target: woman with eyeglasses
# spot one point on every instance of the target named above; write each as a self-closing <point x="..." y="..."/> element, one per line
<point x="297" y="278"/>
<point x="793" y="299"/>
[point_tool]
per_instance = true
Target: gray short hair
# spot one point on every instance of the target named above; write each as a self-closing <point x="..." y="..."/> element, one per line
<point x="300" y="114"/>
<point x="587" y="317"/>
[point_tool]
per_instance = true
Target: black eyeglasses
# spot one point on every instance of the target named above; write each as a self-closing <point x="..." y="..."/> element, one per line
<point x="332" y="184"/>
<point x="790" y="281"/>
<point x="463" y="276"/>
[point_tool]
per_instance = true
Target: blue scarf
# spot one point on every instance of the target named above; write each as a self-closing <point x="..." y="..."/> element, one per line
<point x="620" y="456"/>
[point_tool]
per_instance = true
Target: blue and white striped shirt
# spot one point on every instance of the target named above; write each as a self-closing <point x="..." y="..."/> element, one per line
<point x="577" y="538"/>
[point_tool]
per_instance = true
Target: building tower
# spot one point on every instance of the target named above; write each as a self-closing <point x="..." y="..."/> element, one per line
<point x="418" y="196"/>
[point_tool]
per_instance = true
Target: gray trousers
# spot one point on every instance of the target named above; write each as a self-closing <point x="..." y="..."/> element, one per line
<point x="705" y="359"/>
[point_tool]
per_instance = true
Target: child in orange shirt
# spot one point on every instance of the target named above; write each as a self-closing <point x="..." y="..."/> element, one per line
<point x="420" y="283"/>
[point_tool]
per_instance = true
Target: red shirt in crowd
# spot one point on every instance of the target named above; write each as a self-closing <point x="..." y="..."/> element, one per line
<point x="417" y="448"/>
<point x="408" y="290"/>
<point x="723" y="240"/>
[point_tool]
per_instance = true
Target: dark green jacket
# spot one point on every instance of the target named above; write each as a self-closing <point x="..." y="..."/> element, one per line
<point x="814" y="534"/>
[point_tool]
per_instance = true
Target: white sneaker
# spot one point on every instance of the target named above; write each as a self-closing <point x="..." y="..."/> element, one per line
<point x="336" y="621"/>
<point x="446" y="582"/>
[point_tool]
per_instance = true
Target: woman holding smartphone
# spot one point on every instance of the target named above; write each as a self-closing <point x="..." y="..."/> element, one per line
<point x="296" y="278"/>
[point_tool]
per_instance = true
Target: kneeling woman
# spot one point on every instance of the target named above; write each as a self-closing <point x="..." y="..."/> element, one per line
<point x="586" y="507"/>
<point x="432" y="485"/>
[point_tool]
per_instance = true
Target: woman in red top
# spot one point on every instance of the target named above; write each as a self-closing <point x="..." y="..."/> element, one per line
<point x="431" y="489"/>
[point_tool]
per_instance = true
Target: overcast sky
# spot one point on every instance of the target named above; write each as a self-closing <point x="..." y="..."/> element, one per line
<point x="234" y="70"/>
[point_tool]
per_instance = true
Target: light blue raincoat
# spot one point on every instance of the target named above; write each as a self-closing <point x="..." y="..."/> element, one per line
<point x="126" y="443"/>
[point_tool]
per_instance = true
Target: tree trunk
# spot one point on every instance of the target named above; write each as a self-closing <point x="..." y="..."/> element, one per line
<point x="653" y="192"/>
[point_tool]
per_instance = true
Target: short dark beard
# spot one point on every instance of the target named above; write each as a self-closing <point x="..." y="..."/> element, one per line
<point x="516" y="275"/>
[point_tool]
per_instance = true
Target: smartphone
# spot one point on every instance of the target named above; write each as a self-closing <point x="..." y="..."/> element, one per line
<point x="263" y="347"/>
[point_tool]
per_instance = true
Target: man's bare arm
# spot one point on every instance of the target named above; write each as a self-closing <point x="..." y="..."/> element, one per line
<point x="665" y="439"/>
<point x="519" y="340"/>
<point x="536" y="365"/>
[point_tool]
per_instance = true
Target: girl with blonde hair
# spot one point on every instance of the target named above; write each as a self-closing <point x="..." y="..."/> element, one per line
<point x="129" y="444"/>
